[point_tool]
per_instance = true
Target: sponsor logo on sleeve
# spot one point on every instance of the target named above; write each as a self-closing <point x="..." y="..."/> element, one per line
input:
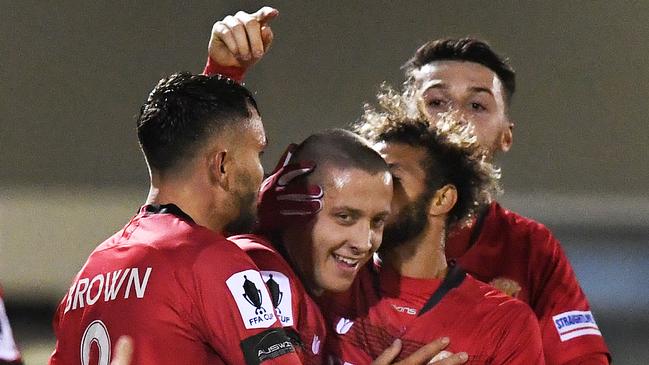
<point x="267" y="345"/>
<point x="343" y="326"/>
<point x="254" y="303"/>
<point x="575" y="324"/>
<point x="279" y="287"/>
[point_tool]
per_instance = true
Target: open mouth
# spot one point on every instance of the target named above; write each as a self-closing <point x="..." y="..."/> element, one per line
<point x="346" y="262"/>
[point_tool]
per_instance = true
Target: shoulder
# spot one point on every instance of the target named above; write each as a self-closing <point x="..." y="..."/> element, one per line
<point x="253" y="243"/>
<point x="491" y="301"/>
<point x="262" y="252"/>
<point x="519" y="229"/>
<point x="517" y="223"/>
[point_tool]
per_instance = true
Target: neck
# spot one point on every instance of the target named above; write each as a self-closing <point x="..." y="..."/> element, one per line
<point x="191" y="198"/>
<point x="422" y="257"/>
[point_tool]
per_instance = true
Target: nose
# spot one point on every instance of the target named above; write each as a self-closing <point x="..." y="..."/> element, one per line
<point x="364" y="240"/>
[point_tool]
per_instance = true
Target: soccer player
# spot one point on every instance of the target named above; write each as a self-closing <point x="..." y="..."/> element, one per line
<point x="170" y="279"/>
<point x="316" y="239"/>
<point x="9" y="354"/>
<point x="518" y="255"/>
<point x="440" y="176"/>
<point x="321" y="245"/>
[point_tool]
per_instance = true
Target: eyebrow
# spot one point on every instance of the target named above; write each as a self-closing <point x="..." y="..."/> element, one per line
<point x="474" y="89"/>
<point x="353" y="211"/>
<point x="480" y="89"/>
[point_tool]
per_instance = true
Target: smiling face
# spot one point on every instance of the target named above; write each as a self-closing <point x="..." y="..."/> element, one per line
<point x="475" y="92"/>
<point x="329" y="252"/>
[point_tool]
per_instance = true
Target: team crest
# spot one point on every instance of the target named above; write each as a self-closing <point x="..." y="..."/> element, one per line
<point x="507" y="286"/>
<point x="254" y="303"/>
<point x="279" y="287"/>
<point x="343" y="326"/>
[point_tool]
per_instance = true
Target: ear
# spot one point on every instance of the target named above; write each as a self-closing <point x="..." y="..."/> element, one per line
<point x="220" y="169"/>
<point x="507" y="137"/>
<point x="443" y="201"/>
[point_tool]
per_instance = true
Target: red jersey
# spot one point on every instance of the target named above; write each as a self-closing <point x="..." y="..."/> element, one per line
<point x="489" y="326"/>
<point x="295" y="308"/>
<point x="184" y="294"/>
<point x="523" y="259"/>
<point x="9" y="353"/>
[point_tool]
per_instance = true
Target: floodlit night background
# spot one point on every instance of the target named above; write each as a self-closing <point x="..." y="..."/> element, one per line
<point x="73" y="75"/>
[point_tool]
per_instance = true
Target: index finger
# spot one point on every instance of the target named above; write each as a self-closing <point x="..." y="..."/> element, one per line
<point x="265" y="14"/>
<point x="425" y="353"/>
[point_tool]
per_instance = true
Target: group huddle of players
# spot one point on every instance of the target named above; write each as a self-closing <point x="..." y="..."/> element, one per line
<point x="380" y="245"/>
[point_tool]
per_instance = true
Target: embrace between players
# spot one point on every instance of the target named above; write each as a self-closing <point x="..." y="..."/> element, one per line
<point x="414" y="184"/>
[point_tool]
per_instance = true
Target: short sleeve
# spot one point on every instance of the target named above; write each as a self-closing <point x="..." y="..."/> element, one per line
<point x="567" y="324"/>
<point x="236" y="315"/>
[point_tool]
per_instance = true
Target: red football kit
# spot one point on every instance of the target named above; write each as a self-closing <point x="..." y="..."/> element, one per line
<point x="9" y="353"/>
<point x="184" y="293"/>
<point x="382" y="306"/>
<point x="299" y="314"/>
<point x="523" y="259"/>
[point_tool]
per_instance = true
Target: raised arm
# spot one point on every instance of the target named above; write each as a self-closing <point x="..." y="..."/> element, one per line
<point x="238" y="42"/>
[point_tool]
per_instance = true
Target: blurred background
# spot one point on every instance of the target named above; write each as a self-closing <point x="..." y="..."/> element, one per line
<point x="73" y="75"/>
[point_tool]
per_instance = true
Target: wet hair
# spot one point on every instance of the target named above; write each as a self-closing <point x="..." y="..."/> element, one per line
<point x="339" y="148"/>
<point x="184" y="110"/>
<point x="453" y="153"/>
<point x="468" y="50"/>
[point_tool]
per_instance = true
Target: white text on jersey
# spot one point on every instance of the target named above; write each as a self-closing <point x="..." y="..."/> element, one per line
<point x="87" y="291"/>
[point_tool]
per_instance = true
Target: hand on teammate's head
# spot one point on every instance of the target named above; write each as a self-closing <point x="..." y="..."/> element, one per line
<point x="283" y="198"/>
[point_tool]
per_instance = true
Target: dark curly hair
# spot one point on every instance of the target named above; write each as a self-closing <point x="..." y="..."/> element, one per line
<point x="454" y="156"/>
<point x="183" y="110"/>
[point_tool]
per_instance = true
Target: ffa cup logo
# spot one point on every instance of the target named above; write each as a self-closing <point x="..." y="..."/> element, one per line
<point x="279" y="287"/>
<point x="276" y="293"/>
<point x="507" y="286"/>
<point x="254" y="303"/>
<point x="253" y="295"/>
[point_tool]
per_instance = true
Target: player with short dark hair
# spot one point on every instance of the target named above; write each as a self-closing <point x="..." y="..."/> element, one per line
<point x="516" y="254"/>
<point x="170" y="279"/>
<point x="332" y="232"/>
<point x="321" y="212"/>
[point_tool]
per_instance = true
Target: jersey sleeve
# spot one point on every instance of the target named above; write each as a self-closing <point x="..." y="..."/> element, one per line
<point x="236" y="314"/>
<point x="518" y="341"/>
<point x="568" y="327"/>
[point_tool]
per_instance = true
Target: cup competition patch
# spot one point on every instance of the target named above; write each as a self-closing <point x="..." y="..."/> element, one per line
<point x="279" y="287"/>
<point x="574" y="324"/>
<point x="255" y="305"/>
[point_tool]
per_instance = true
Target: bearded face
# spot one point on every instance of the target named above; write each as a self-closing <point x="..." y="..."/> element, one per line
<point x="408" y="223"/>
